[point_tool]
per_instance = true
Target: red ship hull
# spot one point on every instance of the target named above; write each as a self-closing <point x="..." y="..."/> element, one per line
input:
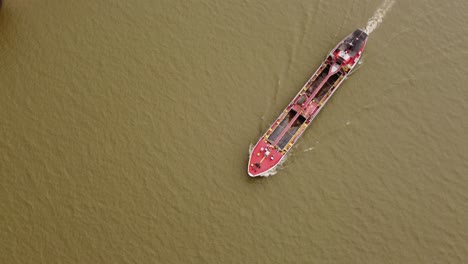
<point x="273" y="146"/>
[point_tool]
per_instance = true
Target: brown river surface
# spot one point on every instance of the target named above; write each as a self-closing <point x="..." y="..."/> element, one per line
<point x="125" y="128"/>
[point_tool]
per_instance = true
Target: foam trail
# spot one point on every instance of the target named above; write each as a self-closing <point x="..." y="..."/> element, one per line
<point x="378" y="16"/>
<point x="309" y="149"/>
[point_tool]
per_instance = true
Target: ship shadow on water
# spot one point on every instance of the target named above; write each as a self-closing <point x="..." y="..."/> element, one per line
<point x="5" y="21"/>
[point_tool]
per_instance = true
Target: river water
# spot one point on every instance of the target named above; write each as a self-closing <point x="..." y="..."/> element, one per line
<point x="125" y="128"/>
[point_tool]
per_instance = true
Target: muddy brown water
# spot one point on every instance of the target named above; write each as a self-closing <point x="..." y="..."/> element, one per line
<point x="125" y="128"/>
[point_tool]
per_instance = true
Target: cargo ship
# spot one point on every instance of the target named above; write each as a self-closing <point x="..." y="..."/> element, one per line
<point x="278" y="140"/>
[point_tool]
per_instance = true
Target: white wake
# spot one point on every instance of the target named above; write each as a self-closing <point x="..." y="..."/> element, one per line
<point x="378" y="16"/>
